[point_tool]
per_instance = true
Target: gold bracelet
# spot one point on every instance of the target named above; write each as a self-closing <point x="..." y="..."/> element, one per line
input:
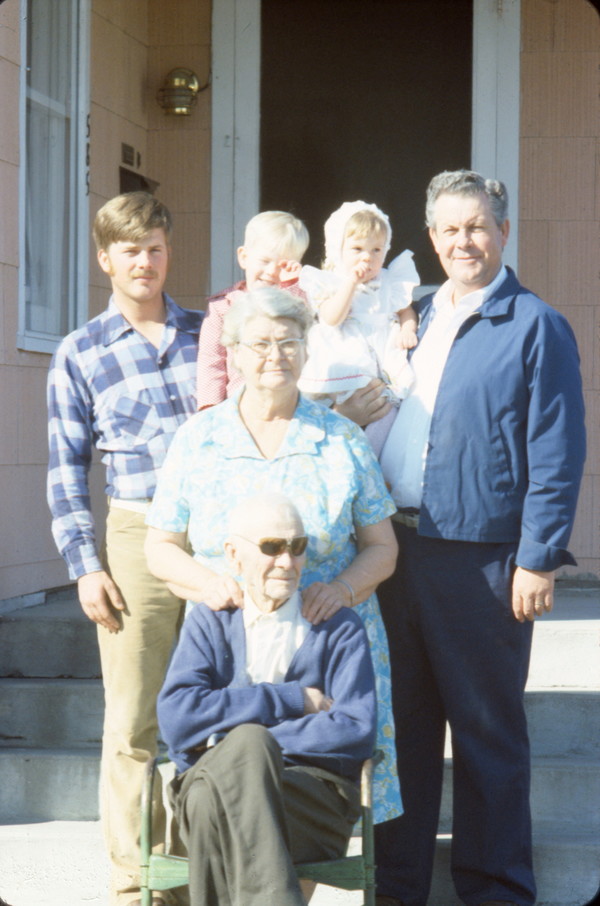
<point x="349" y="587"/>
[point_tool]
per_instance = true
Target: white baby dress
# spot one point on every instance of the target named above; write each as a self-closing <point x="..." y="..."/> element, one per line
<point x="346" y="357"/>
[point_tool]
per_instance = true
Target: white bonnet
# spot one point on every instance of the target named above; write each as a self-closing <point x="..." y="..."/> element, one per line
<point x="335" y="227"/>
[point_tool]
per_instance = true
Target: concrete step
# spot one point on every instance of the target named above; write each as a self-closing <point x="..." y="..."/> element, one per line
<point x="47" y="713"/>
<point x="47" y="785"/>
<point x="62" y="864"/>
<point x="566" y="643"/>
<point x="563" y="721"/>
<point x="565" y="792"/>
<point x="68" y="713"/>
<point x="566" y="865"/>
<point x="53" y="864"/>
<point x="54" y="639"/>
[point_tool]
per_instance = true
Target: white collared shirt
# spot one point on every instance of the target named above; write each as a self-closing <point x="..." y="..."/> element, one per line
<point x="272" y="639"/>
<point x="405" y="450"/>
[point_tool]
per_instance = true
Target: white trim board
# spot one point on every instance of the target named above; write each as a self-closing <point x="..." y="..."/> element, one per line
<point x="496" y="102"/>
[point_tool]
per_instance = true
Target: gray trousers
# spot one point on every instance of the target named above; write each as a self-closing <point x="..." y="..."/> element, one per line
<point x="246" y="818"/>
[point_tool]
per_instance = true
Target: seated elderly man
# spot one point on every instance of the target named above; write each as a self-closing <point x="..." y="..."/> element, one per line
<point x="268" y="719"/>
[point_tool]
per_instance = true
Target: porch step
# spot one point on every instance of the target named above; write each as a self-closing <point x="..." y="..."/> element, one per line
<point x="49" y="713"/>
<point x="565" y="792"/>
<point x="567" y="870"/>
<point x="50" y="727"/>
<point x="54" y="639"/>
<point x="49" y="784"/>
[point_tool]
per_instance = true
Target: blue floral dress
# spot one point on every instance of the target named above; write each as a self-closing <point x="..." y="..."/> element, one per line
<point x="328" y="469"/>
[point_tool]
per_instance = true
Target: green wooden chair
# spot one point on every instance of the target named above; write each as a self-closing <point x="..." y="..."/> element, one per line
<point x="163" y="871"/>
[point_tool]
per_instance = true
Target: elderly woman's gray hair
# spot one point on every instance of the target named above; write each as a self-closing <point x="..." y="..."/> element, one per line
<point x="270" y="302"/>
<point x="466" y="182"/>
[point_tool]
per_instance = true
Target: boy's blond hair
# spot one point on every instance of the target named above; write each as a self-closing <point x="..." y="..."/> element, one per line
<point x="130" y="217"/>
<point x="279" y="232"/>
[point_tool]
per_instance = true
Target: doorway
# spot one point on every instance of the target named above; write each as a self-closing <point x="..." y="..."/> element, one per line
<point x="434" y="37"/>
<point x="363" y="100"/>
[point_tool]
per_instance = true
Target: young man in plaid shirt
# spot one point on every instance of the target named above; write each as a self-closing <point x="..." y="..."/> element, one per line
<point x="123" y="383"/>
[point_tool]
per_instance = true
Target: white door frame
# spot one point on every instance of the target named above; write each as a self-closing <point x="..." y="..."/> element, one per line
<point x="496" y="101"/>
<point x="235" y="189"/>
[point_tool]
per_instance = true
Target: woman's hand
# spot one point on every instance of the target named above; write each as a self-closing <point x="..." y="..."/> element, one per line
<point x="321" y="600"/>
<point x="169" y="560"/>
<point x="222" y="593"/>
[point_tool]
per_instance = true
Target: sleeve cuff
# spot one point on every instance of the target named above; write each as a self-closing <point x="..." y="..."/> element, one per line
<point x="82" y="560"/>
<point x="542" y="557"/>
<point x="292" y="698"/>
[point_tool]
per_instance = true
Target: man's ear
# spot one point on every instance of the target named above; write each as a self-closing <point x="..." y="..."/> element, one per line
<point x="232" y="557"/>
<point x="104" y="262"/>
<point x="505" y="230"/>
<point x="433" y="237"/>
<point x="242" y="257"/>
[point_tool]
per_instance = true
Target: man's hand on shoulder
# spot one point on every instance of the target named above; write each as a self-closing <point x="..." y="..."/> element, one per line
<point x="315" y="700"/>
<point x="100" y="598"/>
<point x="366" y="405"/>
<point x="532" y="593"/>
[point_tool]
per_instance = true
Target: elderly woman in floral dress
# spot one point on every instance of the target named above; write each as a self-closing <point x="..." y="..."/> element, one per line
<point x="270" y="438"/>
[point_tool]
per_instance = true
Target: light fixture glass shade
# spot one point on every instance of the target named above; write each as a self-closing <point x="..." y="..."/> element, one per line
<point x="179" y="92"/>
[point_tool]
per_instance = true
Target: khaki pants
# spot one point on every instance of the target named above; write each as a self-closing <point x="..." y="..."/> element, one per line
<point x="134" y="662"/>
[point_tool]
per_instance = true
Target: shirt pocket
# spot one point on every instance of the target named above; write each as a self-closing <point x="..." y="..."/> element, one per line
<point x="135" y="421"/>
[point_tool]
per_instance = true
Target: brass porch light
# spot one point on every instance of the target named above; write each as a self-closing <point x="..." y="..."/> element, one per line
<point x="179" y="92"/>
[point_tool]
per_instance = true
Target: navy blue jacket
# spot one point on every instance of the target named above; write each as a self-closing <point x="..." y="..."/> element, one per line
<point x="207" y="691"/>
<point x="507" y="438"/>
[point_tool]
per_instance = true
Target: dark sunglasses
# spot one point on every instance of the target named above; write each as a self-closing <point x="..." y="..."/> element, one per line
<point x="274" y="547"/>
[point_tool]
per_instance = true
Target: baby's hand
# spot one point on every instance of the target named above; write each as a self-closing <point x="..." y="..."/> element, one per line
<point x="360" y="270"/>
<point x="288" y="270"/>
<point x="407" y="337"/>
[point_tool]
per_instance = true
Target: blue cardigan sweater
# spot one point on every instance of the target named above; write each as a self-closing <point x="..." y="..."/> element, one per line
<point x="207" y="691"/>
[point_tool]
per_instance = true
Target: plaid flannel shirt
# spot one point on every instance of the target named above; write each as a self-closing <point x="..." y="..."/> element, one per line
<point x="111" y="389"/>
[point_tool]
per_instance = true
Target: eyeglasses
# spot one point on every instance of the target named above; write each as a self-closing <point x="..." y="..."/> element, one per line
<point x="274" y="547"/>
<point x="289" y="347"/>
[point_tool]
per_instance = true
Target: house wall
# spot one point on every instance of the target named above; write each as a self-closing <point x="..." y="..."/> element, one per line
<point x="560" y="205"/>
<point x="28" y="560"/>
<point x="133" y="46"/>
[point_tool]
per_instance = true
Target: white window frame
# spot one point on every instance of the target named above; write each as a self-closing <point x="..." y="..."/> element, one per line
<point x="236" y="118"/>
<point x="77" y="240"/>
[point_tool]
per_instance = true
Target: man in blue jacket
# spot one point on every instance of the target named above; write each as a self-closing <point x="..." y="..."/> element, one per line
<point x="484" y="462"/>
<point x="268" y="719"/>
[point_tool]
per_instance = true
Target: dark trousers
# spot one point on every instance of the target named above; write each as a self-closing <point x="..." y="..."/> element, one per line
<point x="457" y="655"/>
<point x="245" y="819"/>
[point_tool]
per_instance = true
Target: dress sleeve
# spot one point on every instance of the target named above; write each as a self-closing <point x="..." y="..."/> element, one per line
<point x="317" y="284"/>
<point x="401" y="277"/>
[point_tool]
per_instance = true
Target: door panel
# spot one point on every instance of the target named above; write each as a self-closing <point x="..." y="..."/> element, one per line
<point x="363" y="99"/>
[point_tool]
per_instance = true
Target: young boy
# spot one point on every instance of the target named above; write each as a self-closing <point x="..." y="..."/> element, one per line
<point x="123" y="383"/>
<point x="274" y="244"/>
